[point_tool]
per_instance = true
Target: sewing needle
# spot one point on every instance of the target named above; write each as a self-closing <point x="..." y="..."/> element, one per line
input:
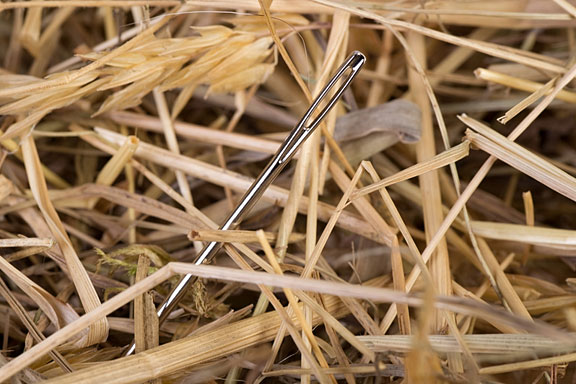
<point x="309" y="122"/>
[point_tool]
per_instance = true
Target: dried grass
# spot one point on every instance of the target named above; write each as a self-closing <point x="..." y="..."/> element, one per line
<point x="416" y="238"/>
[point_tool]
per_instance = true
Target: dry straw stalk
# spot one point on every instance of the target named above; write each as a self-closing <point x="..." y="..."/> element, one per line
<point x="413" y="238"/>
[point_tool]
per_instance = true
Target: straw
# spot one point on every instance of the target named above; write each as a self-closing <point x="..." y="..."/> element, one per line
<point x="424" y="233"/>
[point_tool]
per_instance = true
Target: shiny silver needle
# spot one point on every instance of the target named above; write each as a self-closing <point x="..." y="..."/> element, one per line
<point x="309" y="122"/>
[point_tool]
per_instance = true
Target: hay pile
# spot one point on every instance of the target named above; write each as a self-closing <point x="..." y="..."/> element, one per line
<point x="425" y="234"/>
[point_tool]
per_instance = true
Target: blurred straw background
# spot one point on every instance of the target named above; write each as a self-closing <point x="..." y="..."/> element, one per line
<point x="424" y="235"/>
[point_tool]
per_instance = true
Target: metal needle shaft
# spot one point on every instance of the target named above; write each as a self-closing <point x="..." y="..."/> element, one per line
<point x="309" y="122"/>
